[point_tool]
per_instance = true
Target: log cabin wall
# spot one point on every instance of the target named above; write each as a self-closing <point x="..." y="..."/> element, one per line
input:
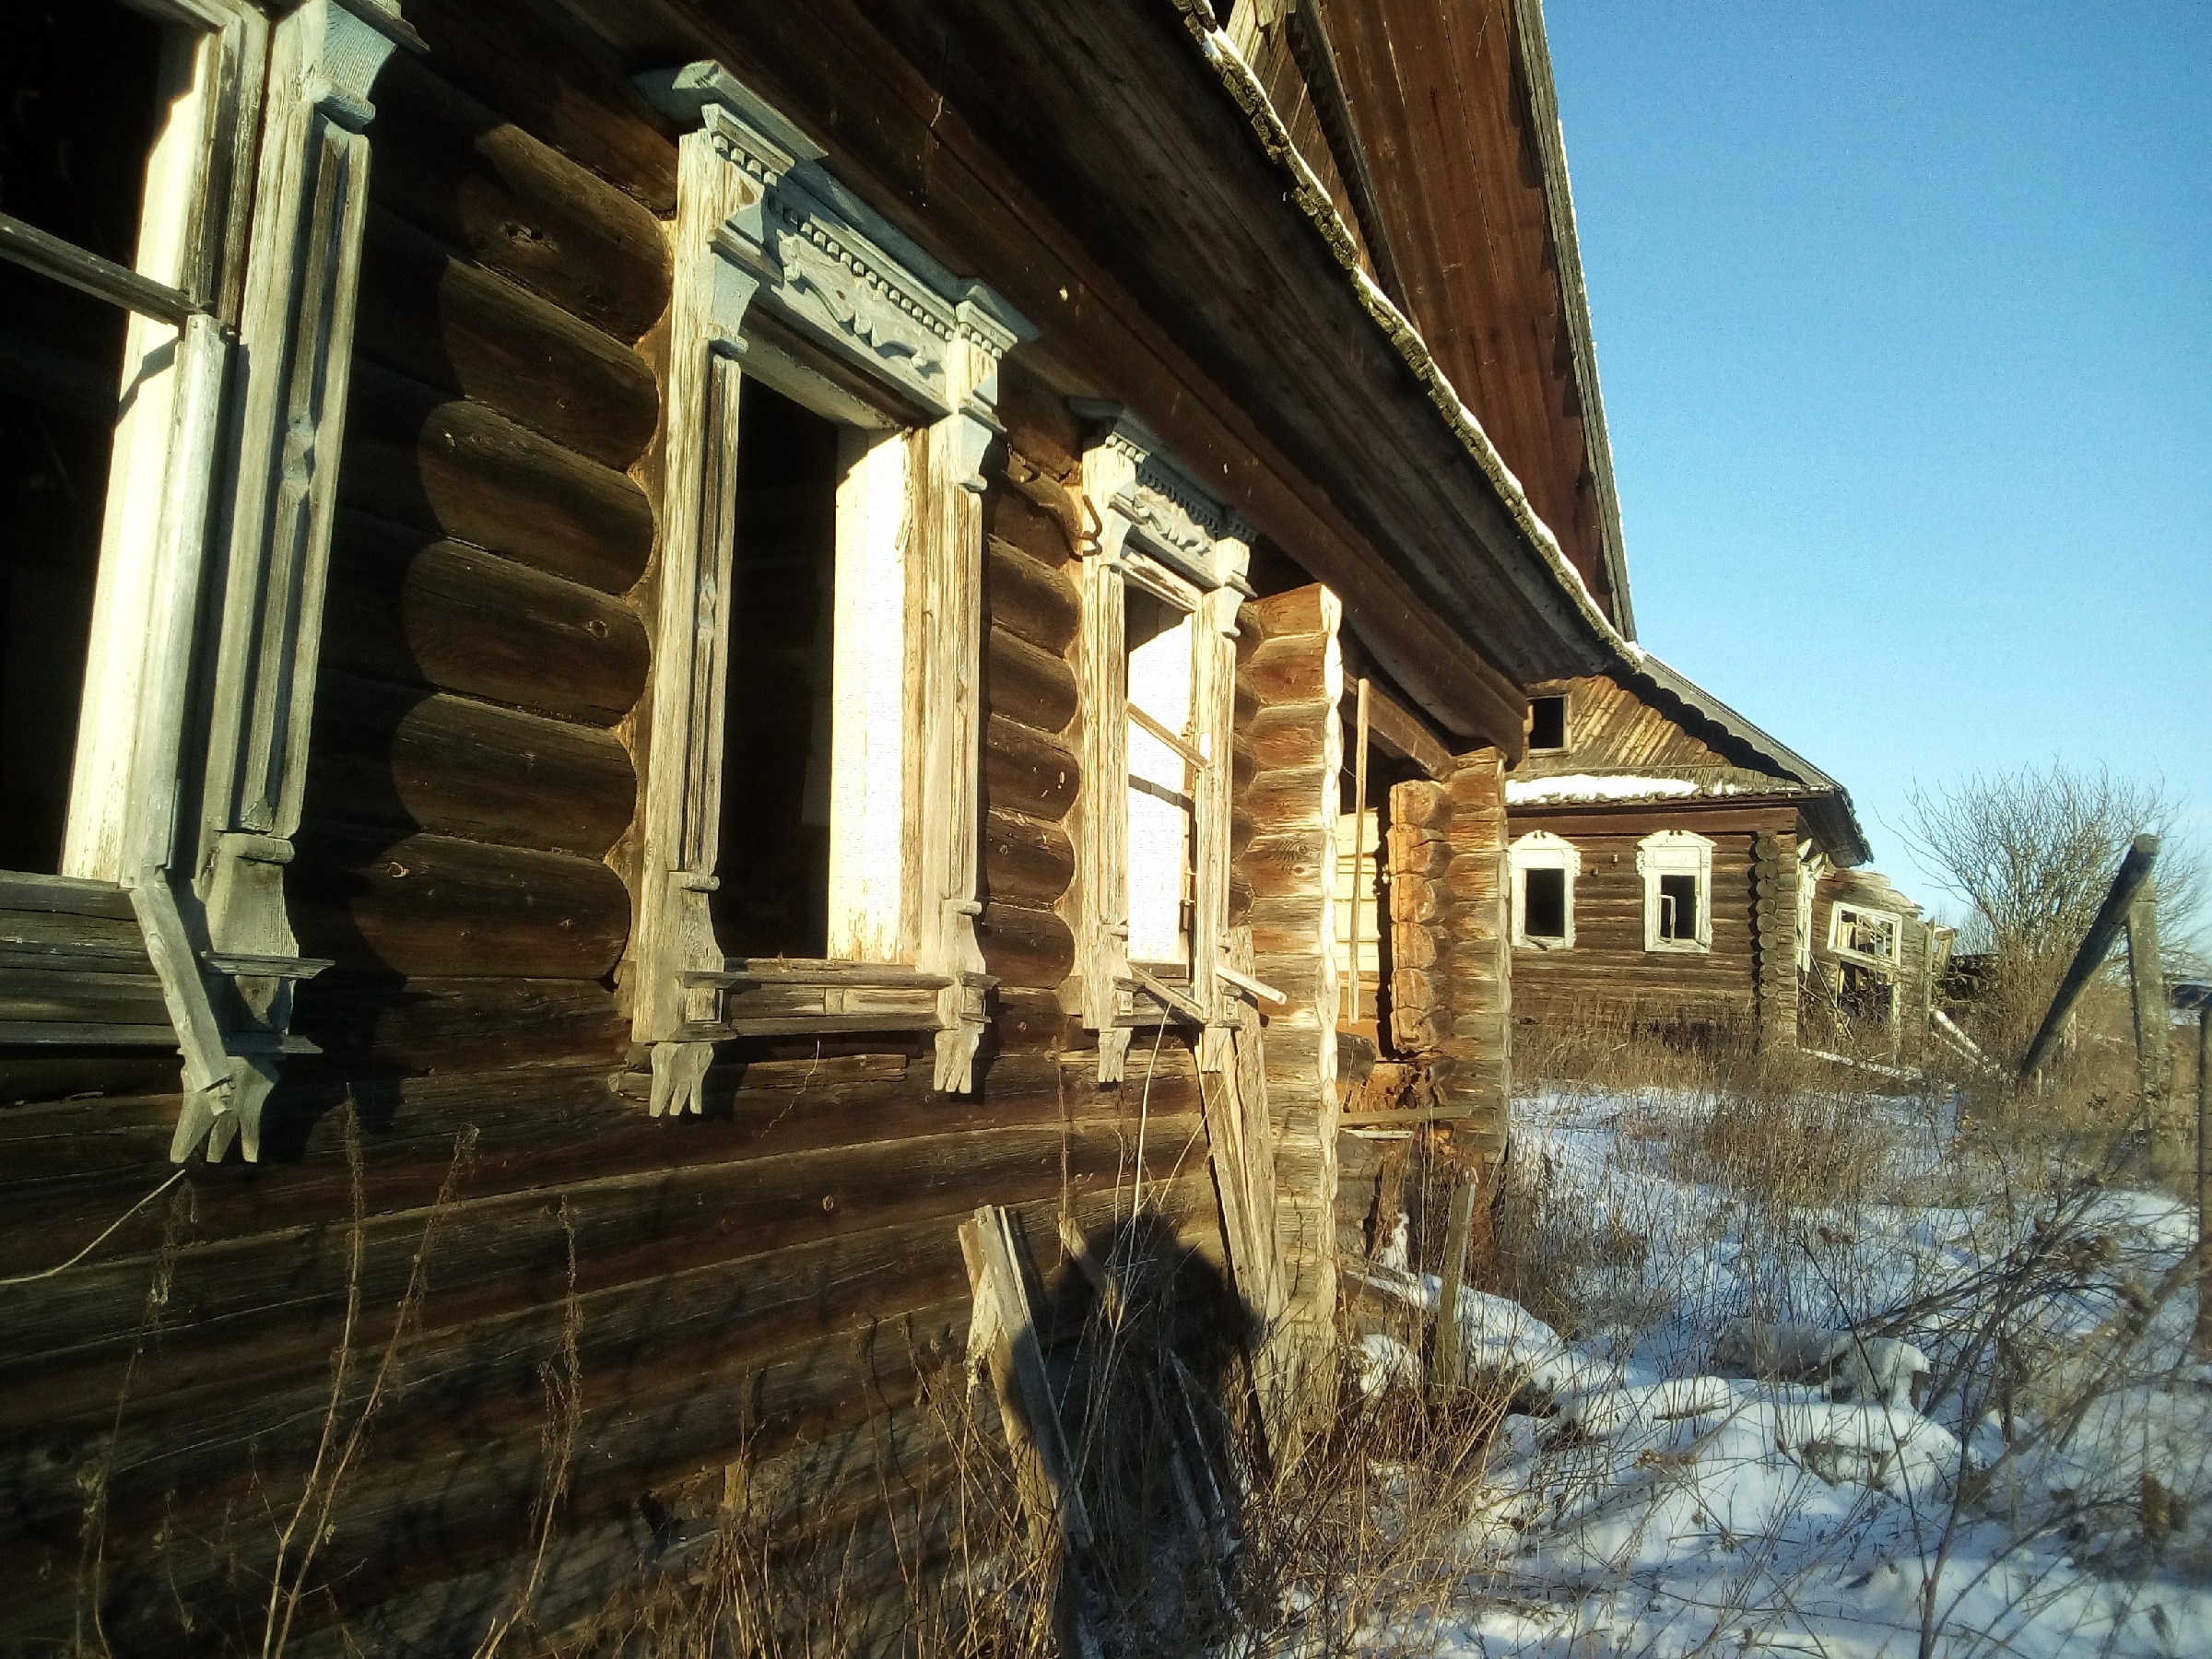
<point x="1290" y="681"/>
<point x="1477" y="991"/>
<point x="1775" y="872"/>
<point x="452" y="1183"/>
<point x="770" y="1283"/>
<point x="1608" y="974"/>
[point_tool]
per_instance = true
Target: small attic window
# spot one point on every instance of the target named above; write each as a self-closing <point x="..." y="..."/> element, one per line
<point x="1547" y="723"/>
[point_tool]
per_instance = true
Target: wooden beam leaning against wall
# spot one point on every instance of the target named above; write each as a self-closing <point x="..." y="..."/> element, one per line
<point x="296" y="332"/>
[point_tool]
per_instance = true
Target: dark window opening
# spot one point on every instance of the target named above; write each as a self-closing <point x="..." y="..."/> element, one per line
<point x="1678" y="907"/>
<point x="773" y="898"/>
<point x="79" y="98"/>
<point x="1547" y="723"/>
<point x="1543" y="904"/>
<point x="1864" y="998"/>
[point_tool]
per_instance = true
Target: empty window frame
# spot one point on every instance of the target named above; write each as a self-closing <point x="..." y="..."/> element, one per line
<point x="177" y="173"/>
<point x="1167" y="758"/>
<point x="1161" y="585"/>
<point x="118" y="131"/>
<point x="1860" y="934"/>
<point x="1547" y="723"/>
<point x="1676" y="866"/>
<point x="1544" y="867"/>
<point x="811" y="837"/>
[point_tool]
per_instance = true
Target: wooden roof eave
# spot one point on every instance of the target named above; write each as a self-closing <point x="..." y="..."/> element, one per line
<point x="1327" y="438"/>
<point x="1835" y="820"/>
<point x="1574" y="297"/>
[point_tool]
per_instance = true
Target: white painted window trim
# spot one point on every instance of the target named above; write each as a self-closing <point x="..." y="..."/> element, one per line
<point x="1812" y="865"/>
<point x="764" y="234"/>
<point x="227" y="446"/>
<point x="1676" y="852"/>
<point x="1838" y="929"/>
<point x="1158" y="529"/>
<point x="1541" y="850"/>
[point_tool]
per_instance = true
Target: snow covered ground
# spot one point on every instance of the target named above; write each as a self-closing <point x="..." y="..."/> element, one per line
<point x="2051" y="1495"/>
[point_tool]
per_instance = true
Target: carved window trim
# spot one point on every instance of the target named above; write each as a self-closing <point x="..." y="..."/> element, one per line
<point x="1541" y="850"/>
<point x="192" y="748"/>
<point x="770" y="249"/>
<point x="1676" y="852"/>
<point x="1154" y="527"/>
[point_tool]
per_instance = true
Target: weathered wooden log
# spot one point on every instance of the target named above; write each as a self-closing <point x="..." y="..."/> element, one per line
<point x="569" y="87"/>
<point x="1025" y="684"/>
<point x="1041" y="431"/>
<point x="1289" y="737"/>
<point x="1025" y="861"/>
<point x="451" y="765"/>
<point x="425" y="906"/>
<point x="456" y="1024"/>
<point x="1028" y="773"/>
<point x="414" y="455"/>
<point x="1014" y="514"/>
<point x="1295" y="612"/>
<point x="1026" y="596"/>
<point x="447" y="321"/>
<point x="1025" y="1020"/>
<point x="452" y="168"/>
<point x="1286" y="864"/>
<point x="1023" y="947"/>
<point x="1288" y="669"/>
<point x="1288" y="802"/>
<point x="409" y="608"/>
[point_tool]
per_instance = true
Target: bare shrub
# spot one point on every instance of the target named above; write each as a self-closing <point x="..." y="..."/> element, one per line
<point x="2032" y="852"/>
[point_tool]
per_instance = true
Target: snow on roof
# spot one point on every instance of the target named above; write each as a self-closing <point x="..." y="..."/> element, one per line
<point x="1593" y="786"/>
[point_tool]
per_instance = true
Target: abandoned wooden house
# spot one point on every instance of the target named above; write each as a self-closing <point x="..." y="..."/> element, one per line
<point x="655" y="647"/>
<point x="1675" y="867"/>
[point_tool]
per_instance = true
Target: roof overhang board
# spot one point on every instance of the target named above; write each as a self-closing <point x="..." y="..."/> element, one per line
<point x="1153" y="243"/>
<point x="1574" y="297"/>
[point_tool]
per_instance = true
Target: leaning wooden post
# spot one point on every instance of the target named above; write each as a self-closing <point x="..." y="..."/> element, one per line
<point x="1358" y="843"/>
<point x="1445" y="1354"/>
<point x="2096" y="945"/>
<point x="2199" y="997"/>
<point x="2154" y="1018"/>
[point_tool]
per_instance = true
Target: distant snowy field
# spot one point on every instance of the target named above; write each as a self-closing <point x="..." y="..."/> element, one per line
<point x="1659" y="1509"/>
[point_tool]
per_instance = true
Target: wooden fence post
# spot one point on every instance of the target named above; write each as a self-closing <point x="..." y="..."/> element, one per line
<point x="2096" y="945"/>
<point x="2154" y="1014"/>
<point x="1445" y="1352"/>
<point x="2199" y="998"/>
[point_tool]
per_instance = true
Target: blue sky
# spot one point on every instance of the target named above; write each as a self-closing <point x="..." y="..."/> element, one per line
<point x="1905" y="319"/>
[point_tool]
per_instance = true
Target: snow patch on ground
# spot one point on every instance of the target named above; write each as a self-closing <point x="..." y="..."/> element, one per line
<point x="1659" y="1509"/>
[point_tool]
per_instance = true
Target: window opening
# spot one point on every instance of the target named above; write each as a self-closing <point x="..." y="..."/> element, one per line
<point x="1547" y="723"/>
<point x="1157" y="643"/>
<point x="79" y="103"/>
<point x="1544" y="867"/>
<point x="1869" y="936"/>
<point x="773" y="898"/>
<point x="1543" y="904"/>
<point x="1676" y="866"/>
